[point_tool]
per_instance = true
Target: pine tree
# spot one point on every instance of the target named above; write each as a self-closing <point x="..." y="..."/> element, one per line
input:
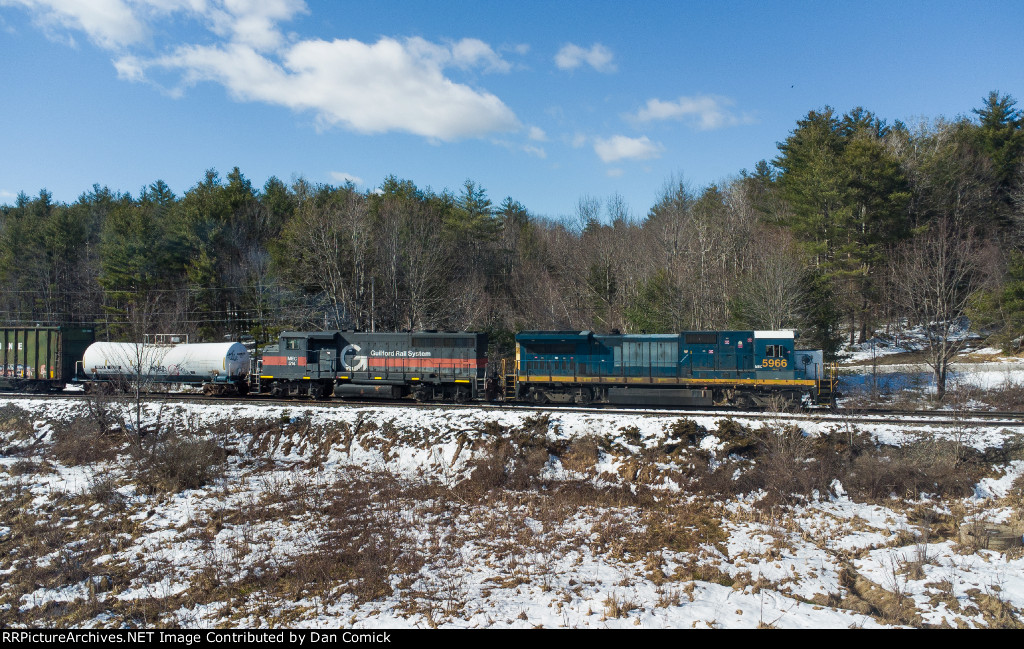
<point x="849" y="199"/>
<point x="1001" y="137"/>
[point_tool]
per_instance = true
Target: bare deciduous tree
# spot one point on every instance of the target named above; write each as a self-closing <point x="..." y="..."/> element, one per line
<point x="935" y="275"/>
<point x="770" y="292"/>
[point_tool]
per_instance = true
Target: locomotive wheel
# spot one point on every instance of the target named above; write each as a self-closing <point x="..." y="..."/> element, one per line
<point x="583" y="396"/>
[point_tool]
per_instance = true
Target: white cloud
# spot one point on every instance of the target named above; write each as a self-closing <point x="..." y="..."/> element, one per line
<point x="529" y="149"/>
<point x="471" y="52"/>
<point x="252" y="22"/>
<point x="342" y="177"/>
<point x="386" y="86"/>
<point x="615" y="172"/>
<point x="111" y="24"/>
<point x="116" y="24"/>
<point x="704" y="112"/>
<point x="390" y="85"/>
<point x="620" y="147"/>
<point x="129" y="68"/>
<point x="572" y="56"/>
<point x="466" y="54"/>
<point x="537" y="134"/>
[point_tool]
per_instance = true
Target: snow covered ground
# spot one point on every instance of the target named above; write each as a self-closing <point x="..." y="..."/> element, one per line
<point x="325" y="517"/>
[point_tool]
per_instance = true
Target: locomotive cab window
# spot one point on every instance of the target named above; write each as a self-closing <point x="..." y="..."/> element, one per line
<point x="291" y="343"/>
<point x="775" y="351"/>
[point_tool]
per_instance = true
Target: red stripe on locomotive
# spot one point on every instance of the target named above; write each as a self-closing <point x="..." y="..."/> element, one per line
<point x="282" y="360"/>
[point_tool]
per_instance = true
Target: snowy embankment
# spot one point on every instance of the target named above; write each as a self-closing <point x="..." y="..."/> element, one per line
<point x="323" y="516"/>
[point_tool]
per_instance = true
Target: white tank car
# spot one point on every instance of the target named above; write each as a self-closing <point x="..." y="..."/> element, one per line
<point x="194" y="362"/>
<point x="121" y="359"/>
<point x="208" y="360"/>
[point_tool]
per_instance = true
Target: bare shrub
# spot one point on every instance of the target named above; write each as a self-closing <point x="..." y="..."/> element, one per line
<point x="1009" y="396"/>
<point x="514" y="463"/>
<point x="929" y="466"/>
<point x="783" y="465"/>
<point x="27" y="467"/>
<point x="16" y="420"/>
<point x="686" y="431"/>
<point x="83" y="441"/>
<point x="781" y="461"/>
<point x="789" y="466"/>
<point x="103" y="490"/>
<point x="180" y="461"/>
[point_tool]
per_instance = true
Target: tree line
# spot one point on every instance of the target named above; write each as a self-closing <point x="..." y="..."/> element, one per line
<point x="857" y="225"/>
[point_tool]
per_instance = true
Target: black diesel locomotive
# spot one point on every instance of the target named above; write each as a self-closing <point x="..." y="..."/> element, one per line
<point x="427" y="365"/>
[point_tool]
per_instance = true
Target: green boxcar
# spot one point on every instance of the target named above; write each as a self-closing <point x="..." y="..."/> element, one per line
<point x="41" y="359"/>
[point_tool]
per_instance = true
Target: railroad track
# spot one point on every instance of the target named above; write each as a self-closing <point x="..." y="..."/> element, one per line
<point x="910" y="419"/>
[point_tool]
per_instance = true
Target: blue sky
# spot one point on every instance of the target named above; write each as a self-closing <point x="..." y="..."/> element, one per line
<point x="543" y="101"/>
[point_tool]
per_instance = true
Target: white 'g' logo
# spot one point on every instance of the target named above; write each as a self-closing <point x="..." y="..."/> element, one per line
<point x="358" y="363"/>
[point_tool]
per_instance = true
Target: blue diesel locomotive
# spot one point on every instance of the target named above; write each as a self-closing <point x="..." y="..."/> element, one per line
<point x="693" y="368"/>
